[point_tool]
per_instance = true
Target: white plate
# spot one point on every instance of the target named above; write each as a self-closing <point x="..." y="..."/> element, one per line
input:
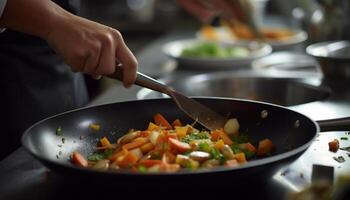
<point x="257" y="50"/>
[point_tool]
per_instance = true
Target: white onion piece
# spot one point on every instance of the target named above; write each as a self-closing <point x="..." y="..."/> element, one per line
<point x="153" y="137"/>
<point x="137" y="152"/>
<point x="232" y="126"/>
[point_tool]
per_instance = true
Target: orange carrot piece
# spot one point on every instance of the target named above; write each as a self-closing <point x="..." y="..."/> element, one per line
<point x="250" y="147"/>
<point x="176" y="122"/>
<point x="105" y="142"/>
<point x="161" y="121"/>
<point x="240" y="157"/>
<point x="118" y="155"/>
<point x="178" y="145"/>
<point x="79" y="159"/>
<point x="215" y="135"/>
<point x="265" y="146"/>
<point x="149" y="163"/>
<point x="219" y="144"/>
<point x="181" y="131"/>
<point x="333" y="145"/>
<point x="224" y="137"/>
<point x="128" y="161"/>
<point x="134" y="144"/>
<point x="147" y="147"/>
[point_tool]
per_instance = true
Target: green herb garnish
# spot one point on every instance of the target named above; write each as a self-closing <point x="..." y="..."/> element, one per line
<point x="339" y="159"/>
<point x="215" y="154"/>
<point x="196" y="136"/>
<point x="344" y="138"/>
<point x="142" y="169"/>
<point x="100" y="155"/>
<point x="203" y="146"/>
<point x="242" y="138"/>
<point x="59" y="131"/>
<point x="345" y="148"/>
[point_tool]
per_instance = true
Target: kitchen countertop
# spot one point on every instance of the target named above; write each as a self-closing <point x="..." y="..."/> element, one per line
<point x="22" y="177"/>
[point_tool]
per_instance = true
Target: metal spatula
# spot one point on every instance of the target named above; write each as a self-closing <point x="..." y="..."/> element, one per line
<point x="198" y="112"/>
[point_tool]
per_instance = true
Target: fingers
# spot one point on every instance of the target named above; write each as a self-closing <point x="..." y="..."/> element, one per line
<point x="106" y="64"/>
<point x="102" y="58"/>
<point x="93" y="57"/>
<point x="127" y="59"/>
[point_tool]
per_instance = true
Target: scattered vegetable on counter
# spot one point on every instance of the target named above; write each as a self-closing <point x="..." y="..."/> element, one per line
<point x="333" y="145"/>
<point x="170" y="147"/>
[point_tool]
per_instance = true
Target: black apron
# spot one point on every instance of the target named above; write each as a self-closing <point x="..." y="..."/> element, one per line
<point x="35" y="83"/>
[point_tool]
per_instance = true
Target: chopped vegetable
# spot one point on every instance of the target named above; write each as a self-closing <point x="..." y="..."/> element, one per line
<point x="179" y="146"/>
<point x="265" y="147"/>
<point x="196" y="136"/>
<point x="333" y="145"/>
<point x="214" y="50"/>
<point x="105" y="142"/>
<point x="176" y="123"/>
<point x="95" y="127"/>
<point x="59" y="131"/>
<point x="79" y="159"/>
<point x="161" y="121"/>
<point x="345" y="149"/>
<point x="168" y="148"/>
<point x="231" y="127"/>
<point x="339" y="159"/>
<point x="344" y="138"/>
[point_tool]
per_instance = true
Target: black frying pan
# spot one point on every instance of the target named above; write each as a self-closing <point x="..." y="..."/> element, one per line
<point x="291" y="132"/>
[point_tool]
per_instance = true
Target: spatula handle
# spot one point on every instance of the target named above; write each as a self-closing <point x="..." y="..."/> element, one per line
<point x="339" y="124"/>
<point x="141" y="80"/>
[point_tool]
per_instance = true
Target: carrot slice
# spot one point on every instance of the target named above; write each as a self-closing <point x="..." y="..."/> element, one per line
<point x="176" y="122"/>
<point x="118" y="155"/>
<point x="134" y="144"/>
<point x="265" y="146"/>
<point x="215" y="135"/>
<point x="161" y="121"/>
<point x="79" y="159"/>
<point x="240" y="157"/>
<point x="128" y="161"/>
<point x="178" y="145"/>
<point x="105" y="142"/>
<point x="147" y="147"/>
<point x="250" y="147"/>
<point x="221" y="134"/>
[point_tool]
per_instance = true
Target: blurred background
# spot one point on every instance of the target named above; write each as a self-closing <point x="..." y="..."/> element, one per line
<point x="143" y="21"/>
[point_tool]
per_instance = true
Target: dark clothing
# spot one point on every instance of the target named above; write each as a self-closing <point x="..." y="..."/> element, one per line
<point x="35" y="83"/>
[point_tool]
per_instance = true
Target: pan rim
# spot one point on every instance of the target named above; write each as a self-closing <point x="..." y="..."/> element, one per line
<point x="219" y="169"/>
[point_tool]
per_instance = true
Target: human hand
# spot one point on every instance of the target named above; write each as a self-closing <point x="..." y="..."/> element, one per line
<point x="85" y="45"/>
<point x="206" y="10"/>
<point x="91" y="48"/>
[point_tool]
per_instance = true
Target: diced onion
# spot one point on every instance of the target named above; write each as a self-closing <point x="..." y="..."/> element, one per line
<point x="232" y="126"/>
<point x="153" y="137"/>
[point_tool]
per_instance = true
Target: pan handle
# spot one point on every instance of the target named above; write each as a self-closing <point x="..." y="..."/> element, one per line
<point x="339" y="124"/>
<point x="142" y="80"/>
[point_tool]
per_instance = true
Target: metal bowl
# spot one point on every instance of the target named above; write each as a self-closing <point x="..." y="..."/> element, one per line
<point x="287" y="89"/>
<point x="334" y="60"/>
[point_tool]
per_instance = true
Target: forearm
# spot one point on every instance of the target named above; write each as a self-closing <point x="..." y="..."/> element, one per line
<point x="35" y="17"/>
